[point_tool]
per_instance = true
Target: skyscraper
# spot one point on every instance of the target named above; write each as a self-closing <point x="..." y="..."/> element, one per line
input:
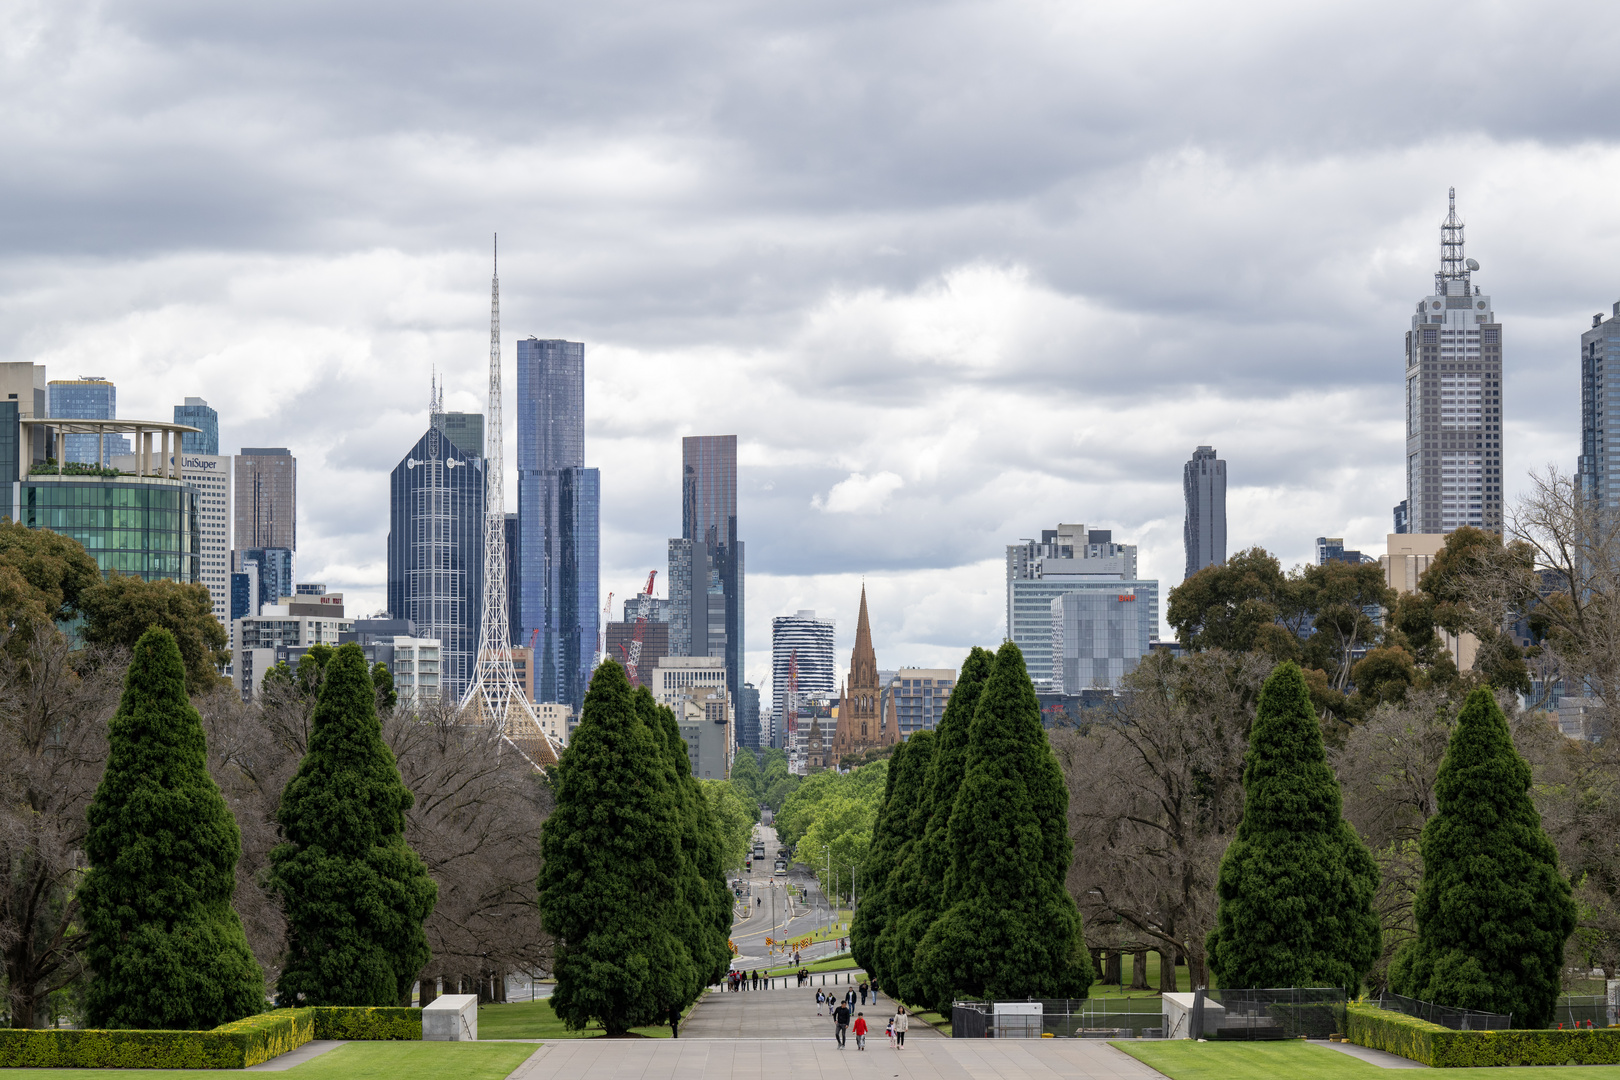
<point x="89" y="397"/>
<point x="196" y="413"/>
<point x="1454" y="399"/>
<point x="806" y="642"/>
<point x="559" y="507"/>
<point x="1600" y="430"/>
<point x="436" y="549"/>
<point x="1203" y="483"/>
<point x="707" y="566"/>
<point x="265" y="488"/>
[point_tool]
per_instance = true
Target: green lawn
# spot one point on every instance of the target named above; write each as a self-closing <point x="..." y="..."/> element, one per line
<point x="535" y="1020"/>
<point x="1296" y="1060"/>
<point x="358" y="1061"/>
<point x="841" y="962"/>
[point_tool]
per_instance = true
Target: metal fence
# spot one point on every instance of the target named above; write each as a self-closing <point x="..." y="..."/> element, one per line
<point x="1278" y="1013"/>
<point x="1445" y="1015"/>
<point x="1099" y="1018"/>
<point x="1581" y="1010"/>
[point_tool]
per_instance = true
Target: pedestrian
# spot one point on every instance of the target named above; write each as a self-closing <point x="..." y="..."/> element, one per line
<point x="901" y="1022"/>
<point x="756" y="978"/>
<point x="863" y="992"/>
<point x="890" y="1032"/>
<point x="819" y="1000"/>
<point x="841" y="1022"/>
<point x="860" y="1031"/>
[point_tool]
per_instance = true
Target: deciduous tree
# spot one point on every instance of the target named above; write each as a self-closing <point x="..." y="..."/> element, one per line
<point x="119" y="610"/>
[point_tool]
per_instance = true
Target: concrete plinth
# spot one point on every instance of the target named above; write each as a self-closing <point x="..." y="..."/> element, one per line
<point x="451" y="1018"/>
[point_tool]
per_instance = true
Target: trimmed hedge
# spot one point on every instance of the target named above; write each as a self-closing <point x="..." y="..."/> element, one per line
<point x="369" y="1023"/>
<point x="230" y="1046"/>
<point x="236" y="1045"/>
<point x="1441" y="1047"/>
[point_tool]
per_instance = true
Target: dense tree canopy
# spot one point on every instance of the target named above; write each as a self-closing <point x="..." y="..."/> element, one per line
<point x="355" y="893"/>
<point x="892" y="837"/>
<point x="1493" y="912"/>
<point x="1297" y="885"/>
<point x="120" y="609"/>
<point x="165" y="946"/>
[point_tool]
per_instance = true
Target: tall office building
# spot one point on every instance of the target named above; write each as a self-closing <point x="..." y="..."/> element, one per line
<point x="265" y="487"/>
<point x="806" y="642"/>
<point x="706" y="566"/>
<point x="1599" y="473"/>
<point x="558" y="527"/>
<point x="436" y="549"/>
<point x="89" y="397"/>
<point x="514" y="608"/>
<point x="196" y="413"/>
<point x="271" y="571"/>
<point x="1454" y="399"/>
<point x="1070" y="559"/>
<point x="1203" y="484"/>
<point x="210" y="474"/>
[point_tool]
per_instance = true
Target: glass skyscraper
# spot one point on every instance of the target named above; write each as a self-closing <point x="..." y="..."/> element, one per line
<point x="196" y="413"/>
<point x="715" y="575"/>
<point x="90" y="398"/>
<point x="558" y="520"/>
<point x="436" y="549"/>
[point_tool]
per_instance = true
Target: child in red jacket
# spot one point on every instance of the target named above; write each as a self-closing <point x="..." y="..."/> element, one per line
<point x="860" y="1031"/>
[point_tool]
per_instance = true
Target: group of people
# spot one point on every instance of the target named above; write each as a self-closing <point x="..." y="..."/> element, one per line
<point x="841" y="1010"/>
<point x="745" y="980"/>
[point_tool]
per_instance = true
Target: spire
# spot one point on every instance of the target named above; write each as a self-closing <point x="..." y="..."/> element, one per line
<point x="1452" y="265"/>
<point x="863" y="660"/>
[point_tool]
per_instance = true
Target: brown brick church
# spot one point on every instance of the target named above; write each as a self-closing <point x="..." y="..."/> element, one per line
<point x="863" y="722"/>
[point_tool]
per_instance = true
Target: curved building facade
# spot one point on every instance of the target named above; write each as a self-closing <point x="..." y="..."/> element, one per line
<point x="144" y="526"/>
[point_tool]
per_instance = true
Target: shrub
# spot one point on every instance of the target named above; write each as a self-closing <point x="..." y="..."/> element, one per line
<point x="230" y="1046"/>
<point x="1442" y="1047"/>
<point x="367" y="1023"/>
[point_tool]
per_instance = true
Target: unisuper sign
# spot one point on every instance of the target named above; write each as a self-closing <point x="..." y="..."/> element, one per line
<point x="201" y="464"/>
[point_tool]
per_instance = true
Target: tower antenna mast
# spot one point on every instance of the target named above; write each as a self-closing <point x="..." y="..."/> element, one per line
<point x="495" y="694"/>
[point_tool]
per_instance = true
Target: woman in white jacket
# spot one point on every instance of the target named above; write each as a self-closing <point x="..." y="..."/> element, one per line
<point x="901" y="1022"/>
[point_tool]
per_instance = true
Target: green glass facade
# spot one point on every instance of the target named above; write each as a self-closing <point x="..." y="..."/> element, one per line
<point x="145" y="528"/>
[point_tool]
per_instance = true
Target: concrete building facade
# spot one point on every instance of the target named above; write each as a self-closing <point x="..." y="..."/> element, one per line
<point x="264" y="487"/>
<point x="1598" y="467"/>
<point x="1454" y="399"/>
<point x="919" y="697"/>
<point x="1097" y="638"/>
<point x="1203" y="485"/>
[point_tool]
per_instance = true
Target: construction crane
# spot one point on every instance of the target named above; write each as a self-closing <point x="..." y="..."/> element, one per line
<point x="643" y="610"/>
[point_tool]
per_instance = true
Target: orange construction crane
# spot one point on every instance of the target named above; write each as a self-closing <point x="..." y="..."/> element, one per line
<point x="643" y="609"/>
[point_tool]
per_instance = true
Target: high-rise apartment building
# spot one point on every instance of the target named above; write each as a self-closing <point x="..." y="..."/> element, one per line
<point x="558" y="527"/>
<point x="1203" y="484"/>
<point x="1599" y="466"/>
<point x="1454" y="399"/>
<point x="436" y="549"/>
<point x="265" y="488"/>
<point x="919" y="697"/>
<point x="196" y="413"/>
<point x="803" y="643"/>
<point x="706" y="566"/>
<point x="1069" y="558"/>
<point x="88" y="397"/>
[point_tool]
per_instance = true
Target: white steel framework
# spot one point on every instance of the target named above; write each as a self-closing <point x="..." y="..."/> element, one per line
<point x="495" y="693"/>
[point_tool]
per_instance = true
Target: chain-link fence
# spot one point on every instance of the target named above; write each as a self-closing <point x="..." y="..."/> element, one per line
<point x="1581" y="1010"/>
<point x="1278" y="1013"/>
<point x="1446" y="1015"/>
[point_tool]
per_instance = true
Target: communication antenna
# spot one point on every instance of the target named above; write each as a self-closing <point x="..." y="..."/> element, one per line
<point x="1452" y="264"/>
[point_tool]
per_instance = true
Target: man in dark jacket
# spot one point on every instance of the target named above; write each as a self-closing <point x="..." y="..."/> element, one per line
<point x="841" y="1018"/>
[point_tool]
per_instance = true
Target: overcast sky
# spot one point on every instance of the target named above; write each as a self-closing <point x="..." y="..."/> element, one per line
<point x="952" y="272"/>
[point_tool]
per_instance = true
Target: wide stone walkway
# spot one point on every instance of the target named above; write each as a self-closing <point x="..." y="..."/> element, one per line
<point x="785" y="1014"/>
<point x="819" y="1059"/>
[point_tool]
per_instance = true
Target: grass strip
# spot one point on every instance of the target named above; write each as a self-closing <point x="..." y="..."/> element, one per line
<point x="1182" y="1059"/>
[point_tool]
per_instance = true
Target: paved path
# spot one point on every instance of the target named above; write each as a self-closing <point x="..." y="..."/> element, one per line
<point x="1382" y="1058"/>
<point x="784" y="1014"/>
<point x="283" y="1062"/>
<point x="749" y="1059"/>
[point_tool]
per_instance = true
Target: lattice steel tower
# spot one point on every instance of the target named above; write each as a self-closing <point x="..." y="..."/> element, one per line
<point x="495" y="693"/>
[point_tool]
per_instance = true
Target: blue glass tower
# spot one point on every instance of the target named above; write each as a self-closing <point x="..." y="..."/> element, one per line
<point x="275" y="571"/>
<point x="558" y="519"/>
<point x="436" y="550"/>
<point x="90" y="398"/>
<point x="196" y="413"/>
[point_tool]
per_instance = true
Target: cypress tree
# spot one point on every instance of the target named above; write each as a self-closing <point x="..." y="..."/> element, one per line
<point x="612" y="851"/>
<point x="916" y="887"/>
<point x="1009" y="930"/>
<point x="700" y="887"/>
<point x="354" y="892"/>
<point x="891" y="839"/>
<point x="1296" y="886"/>
<point x="1493" y="912"/>
<point x="164" y="944"/>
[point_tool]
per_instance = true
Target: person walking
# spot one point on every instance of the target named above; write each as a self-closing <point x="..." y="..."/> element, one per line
<point x="901" y="1022"/>
<point x="863" y="991"/>
<point x="841" y="1024"/>
<point x="819" y="1000"/>
<point x="860" y="1031"/>
<point x="889" y="1031"/>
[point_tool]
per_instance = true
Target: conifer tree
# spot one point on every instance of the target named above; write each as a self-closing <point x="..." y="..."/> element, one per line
<point x="1493" y="912"/>
<point x="354" y="892"/>
<point x="1296" y="886"/>
<point x="916" y="886"/>
<point x="892" y="838"/>
<point x="165" y="947"/>
<point x="1009" y="929"/>
<point x="612" y="851"/>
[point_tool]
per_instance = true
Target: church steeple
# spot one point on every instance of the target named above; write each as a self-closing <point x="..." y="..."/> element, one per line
<point x="863" y="661"/>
